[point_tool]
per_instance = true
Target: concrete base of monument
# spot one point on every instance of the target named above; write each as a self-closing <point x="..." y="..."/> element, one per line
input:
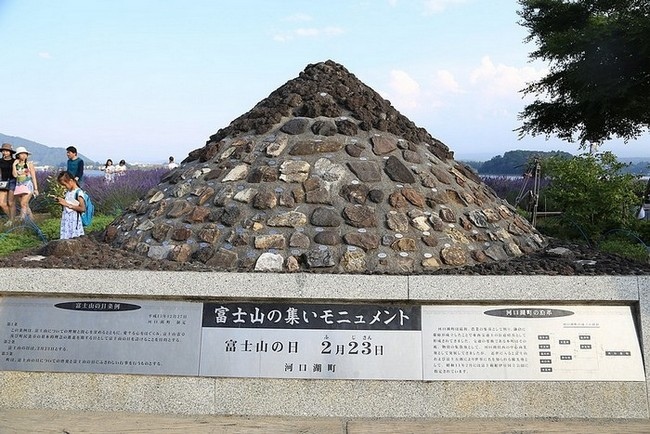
<point x="354" y="347"/>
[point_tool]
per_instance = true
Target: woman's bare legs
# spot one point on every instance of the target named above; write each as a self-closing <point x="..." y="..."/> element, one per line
<point x="4" y="202"/>
<point x="25" y="211"/>
<point x="8" y="205"/>
<point x="11" y="203"/>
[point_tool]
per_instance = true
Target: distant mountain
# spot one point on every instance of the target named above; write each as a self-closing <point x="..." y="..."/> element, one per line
<point x="512" y="162"/>
<point x="517" y="162"/>
<point x="43" y="155"/>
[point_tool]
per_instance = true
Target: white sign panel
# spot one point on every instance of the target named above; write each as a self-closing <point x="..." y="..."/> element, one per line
<point x="540" y="343"/>
<point x="320" y="341"/>
<point x="317" y="341"/>
<point x="104" y="336"/>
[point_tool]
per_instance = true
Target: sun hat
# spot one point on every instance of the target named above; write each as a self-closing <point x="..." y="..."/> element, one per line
<point x="21" y="150"/>
<point x="7" y="147"/>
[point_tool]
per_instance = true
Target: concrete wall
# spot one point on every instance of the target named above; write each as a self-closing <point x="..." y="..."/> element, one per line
<point x="341" y="398"/>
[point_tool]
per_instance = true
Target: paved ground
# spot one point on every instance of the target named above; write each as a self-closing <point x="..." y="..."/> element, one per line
<point x="49" y="421"/>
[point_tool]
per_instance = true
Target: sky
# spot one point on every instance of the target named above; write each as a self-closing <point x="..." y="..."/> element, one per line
<point x="141" y="80"/>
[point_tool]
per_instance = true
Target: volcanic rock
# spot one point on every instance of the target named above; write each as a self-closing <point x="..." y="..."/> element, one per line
<point x="323" y="175"/>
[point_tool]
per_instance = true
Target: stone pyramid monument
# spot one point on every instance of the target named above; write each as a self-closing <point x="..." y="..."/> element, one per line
<point x="324" y="175"/>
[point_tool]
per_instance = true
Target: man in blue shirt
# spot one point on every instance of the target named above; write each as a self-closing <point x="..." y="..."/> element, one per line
<point x="75" y="164"/>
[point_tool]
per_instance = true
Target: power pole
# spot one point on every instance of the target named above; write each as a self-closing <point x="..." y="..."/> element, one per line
<point x="535" y="193"/>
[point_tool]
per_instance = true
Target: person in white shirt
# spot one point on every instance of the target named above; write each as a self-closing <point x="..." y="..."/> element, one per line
<point x="120" y="169"/>
<point x="109" y="171"/>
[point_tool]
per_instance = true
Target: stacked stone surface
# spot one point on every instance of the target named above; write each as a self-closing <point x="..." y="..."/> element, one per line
<point x="324" y="175"/>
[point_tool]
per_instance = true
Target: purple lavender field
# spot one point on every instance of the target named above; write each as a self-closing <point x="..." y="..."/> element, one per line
<point x="110" y="198"/>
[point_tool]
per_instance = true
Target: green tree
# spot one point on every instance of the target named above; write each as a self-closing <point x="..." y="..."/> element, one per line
<point x="592" y="191"/>
<point x="598" y="85"/>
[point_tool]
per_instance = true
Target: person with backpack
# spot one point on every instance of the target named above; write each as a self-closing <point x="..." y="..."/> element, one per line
<point x="74" y="204"/>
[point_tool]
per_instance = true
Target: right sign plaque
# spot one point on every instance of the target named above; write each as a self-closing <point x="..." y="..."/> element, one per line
<point x="553" y="343"/>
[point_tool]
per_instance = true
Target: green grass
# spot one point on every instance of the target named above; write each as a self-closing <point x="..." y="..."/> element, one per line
<point x="51" y="226"/>
<point x="627" y="249"/>
<point x="19" y="239"/>
<point x="22" y="237"/>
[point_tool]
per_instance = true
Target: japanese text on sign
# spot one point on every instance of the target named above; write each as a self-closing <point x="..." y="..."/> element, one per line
<point x="312" y="316"/>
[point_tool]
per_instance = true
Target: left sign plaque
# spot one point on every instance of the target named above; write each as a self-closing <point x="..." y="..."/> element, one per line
<point x="100" y="336"/>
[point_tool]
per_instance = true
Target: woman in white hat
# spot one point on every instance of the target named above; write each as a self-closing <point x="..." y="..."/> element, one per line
<point x="7" y="183"/>
<point x="26" y="184"/>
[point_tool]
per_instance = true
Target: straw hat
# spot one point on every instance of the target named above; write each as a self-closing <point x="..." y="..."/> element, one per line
<point x="7" y="147"/>
<point x="22" y="150"/>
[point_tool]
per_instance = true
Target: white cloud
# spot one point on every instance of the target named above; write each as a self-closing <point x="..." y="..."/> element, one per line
<point x="308" y="32"/>
<point x="401" y="82"/>
<point x="45" y="55"/>
<point x="298" y="17"/>
<point x="325" y="31"/>
<point x="501" y="80"/>
<point x="445" y="82"/>
<point x="333" y="31"/>
<point x="490" y="91"/>
<point x="281" y="37"/>
<point x="408" y="95"/>
<point x="392" y="3"/>
<point x="404" y="90"/>
<point x="438" y="6"/>
<point x="440" y="89"/>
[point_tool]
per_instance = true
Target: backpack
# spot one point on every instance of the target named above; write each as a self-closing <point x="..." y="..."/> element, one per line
<point x="87" y="215"/>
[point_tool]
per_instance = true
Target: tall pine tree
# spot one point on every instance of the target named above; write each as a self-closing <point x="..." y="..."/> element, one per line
<point x="598" y="85"/>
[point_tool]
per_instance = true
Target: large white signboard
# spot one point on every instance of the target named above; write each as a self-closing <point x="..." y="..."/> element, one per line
<point x="543" y="343"/>
<point x="320" y="341"/>
<point x="105" y="336"/>
<point x="339" y="341"/>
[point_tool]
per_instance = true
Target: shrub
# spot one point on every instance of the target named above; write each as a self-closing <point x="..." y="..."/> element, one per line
<point x="641" y="229"/>
<point x="49" y="187"/>
<point x="591" y="192"/>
